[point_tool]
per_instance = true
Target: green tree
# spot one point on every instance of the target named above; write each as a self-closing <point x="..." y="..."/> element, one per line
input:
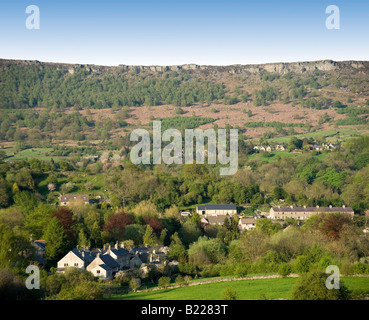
<point x="312" y="286"/>
<point x="230" y="294"/>
<point x="55" y="239"/>
<point x="164" y="282"/>
<point x="134" y="284"/>
<point x="149" y="236"/>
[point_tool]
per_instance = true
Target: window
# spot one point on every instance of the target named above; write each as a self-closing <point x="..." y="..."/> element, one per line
<point x="65" y="264"/>
<point x="76" y="264"/>
<point x="98" y="271"/>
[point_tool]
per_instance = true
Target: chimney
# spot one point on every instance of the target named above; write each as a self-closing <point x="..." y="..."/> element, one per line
<point x="305" y="207"/>
<point x="83" y="254"/>
<point x="116" y="245"/>
<point x="343" y="206"/>
<point x="291" y="207"/>
<point x="317" y="206"/>
<point x="122" y="245"/>
<point x="330" y="206"/>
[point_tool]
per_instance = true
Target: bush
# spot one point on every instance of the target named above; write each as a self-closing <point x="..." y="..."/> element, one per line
<point x="164" y="282"/>
<point x="241" y="270"/>
<point x="312" y="286"/>
<point x="361" y="268"/>
<point x="226" y="270"/>
<point x="187" y="280"/>
<point x="230" y="294"/>
<point x="347" y="268"/>
<point x="302" y="264"/>
<point x="134" y="284"/>
<point x="180" y="281"/>
<point x="284" y="269"/>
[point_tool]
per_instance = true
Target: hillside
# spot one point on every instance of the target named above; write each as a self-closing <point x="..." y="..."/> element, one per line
<point x="46" y="103"/>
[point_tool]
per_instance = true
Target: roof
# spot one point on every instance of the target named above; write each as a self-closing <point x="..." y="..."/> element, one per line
<point x="109" y="261"/>
<point x="216" y="219"/>
<point x="248" y="221"/>
<point x="312" y="209"/>
<point x="40" y="243"/>
<point x="103" y="266"/>
<point x="73" y="197"/>
<point x="119" y="251"/>
<point x="84" y="255"/>
<point x="217" y="207"/>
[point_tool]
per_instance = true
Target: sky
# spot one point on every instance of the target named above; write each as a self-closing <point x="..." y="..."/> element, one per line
<point x="175" y="32"/>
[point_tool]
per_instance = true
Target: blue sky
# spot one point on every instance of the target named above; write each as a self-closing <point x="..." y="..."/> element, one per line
<point x="162" y="32"/>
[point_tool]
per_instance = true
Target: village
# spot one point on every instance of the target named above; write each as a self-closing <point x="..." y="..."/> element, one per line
<point x="111" y="261"/>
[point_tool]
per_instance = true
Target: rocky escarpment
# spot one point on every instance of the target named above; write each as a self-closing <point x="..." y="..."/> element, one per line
<point x="281" y="68"/>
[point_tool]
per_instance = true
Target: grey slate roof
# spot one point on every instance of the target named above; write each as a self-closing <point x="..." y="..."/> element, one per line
<point x="216" y="219"/>
<point x="119" y="252"/>
<point x="109" y="261"/>
<point x="88" y="256"/>
<point x="313" y="209"/>
<point x="217" y="207"/>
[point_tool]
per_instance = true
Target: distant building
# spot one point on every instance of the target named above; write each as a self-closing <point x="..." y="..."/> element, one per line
<point x="302" y="213"/>
<point x="76" y="259"/>
<point x="215" y="220"/>
<point x="247" y="223"/>
<point x="66" y="199"/>
<point x="40" y="249"/>
<point x="121" y="255"/>
<point x="216" y="209"/>
<point x="103" y="266"/>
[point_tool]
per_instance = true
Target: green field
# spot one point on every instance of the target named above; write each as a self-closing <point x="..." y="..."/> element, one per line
<point x="332" y="134"/>
<point x="277" y="288"/>
<point x="37" y="153"/>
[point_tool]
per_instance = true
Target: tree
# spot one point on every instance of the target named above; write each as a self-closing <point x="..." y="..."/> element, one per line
<point x="115" y="225"/>
<point x="284" y="269"/>
<point x="180" y="280"/>
<point x="230" y="294"/>
<point x="134" y="284"/>
<point x="189" y="232"/>
<point x="55" y="239"/>
<point x="134" y="232"/>
<point x="149" y="236"/>
<point x="206" y="252"/>
<point x="312" y="286"/>
<point x="164" y="282"/>
<point x="65" y="217"/>
<point x="51" y="187"/>
<point x="266" y="226"/>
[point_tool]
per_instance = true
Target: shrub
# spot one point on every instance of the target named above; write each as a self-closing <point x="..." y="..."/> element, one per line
<point x="302" y="264"/>
<point x="180" y="281"/>
<point x="134" y="284"/>
<point x="187" y="280"/>
<point x="164" y="282"/>
<point x="284" y="269"/>
<point x="230" y="294"/>
<point x="226" y="270"/>
<point x="241" y="270"/>
<point x="312" y="286"/>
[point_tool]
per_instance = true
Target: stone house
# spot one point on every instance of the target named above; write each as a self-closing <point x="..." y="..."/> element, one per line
<point x="120" y="255"/>
<point x="247" y="223"/>
<point x="66" y="199"/>
<point x="76" y="259"/>
<point x="216" y="209"/>
<point x="103" y="266"/>
<point x="303" y="213"/>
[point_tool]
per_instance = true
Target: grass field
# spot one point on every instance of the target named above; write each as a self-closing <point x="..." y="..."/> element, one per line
<point x="276" y="288"/>
<point x="38" y="153"/>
